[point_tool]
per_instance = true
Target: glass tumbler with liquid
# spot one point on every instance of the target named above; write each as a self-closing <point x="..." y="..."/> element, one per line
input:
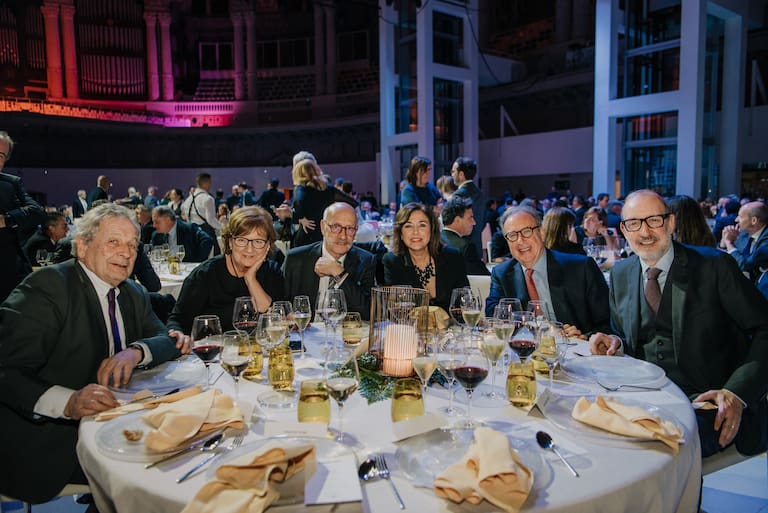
<point x="314" y="402"/>
<point x="407" y="399"/>
<point x="280" y="367"/>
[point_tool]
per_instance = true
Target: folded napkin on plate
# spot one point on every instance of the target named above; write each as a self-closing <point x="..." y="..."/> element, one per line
<point x="247" y="484"/>
<point x="138" y="404"/>
<point x="179" y="421"/>
<point x="490" y="470"/>
<point x="622" y="419"/>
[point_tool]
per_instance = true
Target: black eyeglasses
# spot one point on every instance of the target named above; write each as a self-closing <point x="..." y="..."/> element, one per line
<point x="524" y="233"/>
<point x="633" y="225"/>
<point x="337" y="228"/>
<point x="242" y="242"/>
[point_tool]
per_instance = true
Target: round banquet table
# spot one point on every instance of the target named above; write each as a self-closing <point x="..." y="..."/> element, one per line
<point x="615" y="476"/>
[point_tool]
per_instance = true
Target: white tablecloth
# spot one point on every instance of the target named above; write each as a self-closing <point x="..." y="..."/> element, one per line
<point x="615" y="477"/>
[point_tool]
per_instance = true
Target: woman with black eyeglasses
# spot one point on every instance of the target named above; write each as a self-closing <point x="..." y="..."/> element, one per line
<point x="245" y="269"/>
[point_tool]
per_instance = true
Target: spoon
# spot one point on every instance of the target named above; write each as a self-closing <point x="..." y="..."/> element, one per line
<point x="367" y="470"/>
<point x="545" y="442"/>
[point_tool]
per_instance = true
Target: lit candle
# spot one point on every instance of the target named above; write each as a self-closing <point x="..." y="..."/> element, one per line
<point x="400" y="345"/>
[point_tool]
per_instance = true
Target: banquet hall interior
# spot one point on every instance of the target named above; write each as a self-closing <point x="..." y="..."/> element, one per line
<point x="588" y="96"/>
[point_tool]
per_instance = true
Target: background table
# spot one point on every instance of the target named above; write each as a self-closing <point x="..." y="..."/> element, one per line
<point x="615" y="477"/>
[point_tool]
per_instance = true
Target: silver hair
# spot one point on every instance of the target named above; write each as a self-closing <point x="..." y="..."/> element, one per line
<point x="91" y="222"/>
<point x="303" y="155"/>
<point x="511" y="211"/>
<point x="164" y="211"/>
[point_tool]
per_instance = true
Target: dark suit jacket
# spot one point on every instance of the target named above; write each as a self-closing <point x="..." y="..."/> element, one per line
<point x="310" y="203"/>
<point x="714" y="308"/>
<point x="578" y="289"/>
<point x="470" y="190"/>
<point x="39" y="240"/>
<point x="147" y="231"/>
<point x="94" y="194"/>
<point x="752" y="262"/>
<point x="270" y="198"/>
<point x="52" y="332"/>
<point x="449" y="274"/>
<point x="301" y="279"/>
<point x="77" y="208"/>
<point x="472" y="261"/>
<point x="27" y="215"/>
<point x="197" y="244"/>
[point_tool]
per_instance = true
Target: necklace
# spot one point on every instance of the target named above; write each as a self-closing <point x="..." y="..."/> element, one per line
<point x="424" y="274"/>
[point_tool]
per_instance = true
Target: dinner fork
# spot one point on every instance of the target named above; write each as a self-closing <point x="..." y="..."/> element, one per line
<point x="236" y="442"/>
<point x="614" y="388"/>
<point x="383" y="471"/>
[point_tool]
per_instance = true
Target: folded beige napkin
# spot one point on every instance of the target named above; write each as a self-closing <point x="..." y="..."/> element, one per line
<point x="490" y="470"/>
<point x="622" y="419"/>
<point x="179" y="421"/>
<point x="247" y="484"/>
<point x="137" y="404"/>
<point x="441" y="318"/>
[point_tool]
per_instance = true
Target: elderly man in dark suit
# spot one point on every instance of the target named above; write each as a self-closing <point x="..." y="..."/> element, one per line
<point x="333" y="263"/>
<point x="463" y="173"/>
<point x="67" y="332"/>
<point x="746" y="237"/>
<point x="173" y="231"/>
<point x="19" y="215"/>
<point x="458" y="222"/>
<point x="692" y="312"/>
<point x="51" y="231"/>
<point x="101" y="191"/>
<point x="572" y="285"/>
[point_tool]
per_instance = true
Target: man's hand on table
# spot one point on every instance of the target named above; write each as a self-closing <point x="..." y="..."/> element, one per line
<point x="183" y="342"/>
<point x="729" y="410"/>
<point x="118" y="368"/>
<point x="602" y="344"/>
<point x="89" y="400"/>
<point x="572" y="331"/>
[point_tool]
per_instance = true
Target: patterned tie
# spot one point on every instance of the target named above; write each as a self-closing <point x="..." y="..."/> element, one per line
<point x="652" y="288"/>
<point x="533" y="294"/>
<point x="113" y="321"/>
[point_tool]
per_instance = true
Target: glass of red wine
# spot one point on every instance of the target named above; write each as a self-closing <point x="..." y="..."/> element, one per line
<point x="523" y="341"/>
<point x="244" y="314"/>
<point x="206" y="341"/>
<point x="470" y="373"/>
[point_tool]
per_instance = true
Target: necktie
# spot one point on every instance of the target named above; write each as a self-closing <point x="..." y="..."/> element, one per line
<point x="533" y="294"/>
<point x="113" y="321"/>
<point x="652" y="288"/>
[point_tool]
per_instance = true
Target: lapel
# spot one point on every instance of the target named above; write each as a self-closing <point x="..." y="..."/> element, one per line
<point x="98" y="325"/>
<point x="632" y="282"/>
<point x="128" y="311"/>
<point x="312" y="279"/>
<point x="518" y="287"/>
<point x="678" y="279"/>
<point x="351" y="262"/>
<point x="555" y="278"/>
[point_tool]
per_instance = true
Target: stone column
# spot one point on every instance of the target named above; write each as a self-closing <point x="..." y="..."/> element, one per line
<point x="53" y="50"/>
<point x="330" y="49"/>
<point x="153" y="80"/>
<point x="250" y="50"/>
<point x="319" y="50"/>
<point x="70" y="52"/>
<point x="167" y="62"/>
<point x="237" y="53"/>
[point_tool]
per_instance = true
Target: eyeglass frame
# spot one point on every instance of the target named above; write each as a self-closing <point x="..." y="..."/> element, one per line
<point x="256" y="243"/>
<point x="336" y="229"/>
<point x="645" y="220"/>
<point x="519" y="233"/>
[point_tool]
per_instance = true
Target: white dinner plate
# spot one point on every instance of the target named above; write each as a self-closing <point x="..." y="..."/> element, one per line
<point x="558" y="410"/>
<point x="111" y="441"/>
<point x="612" y="370"/>
<point x="422" y="458"/>
<point x="292" y="490"/>
<point x="183" y="373"/>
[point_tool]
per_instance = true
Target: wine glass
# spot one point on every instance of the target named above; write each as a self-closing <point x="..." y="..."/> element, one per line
<point x="492" y="346"/>
<point x="244" y="314"/>
<point x="524" y="332"/>
<point x="42" y="256"/>
<point x="471" y="308"/>
<point x="332" y="307"/>
<point x="342" y="378"/>
<point x="425" y="363"/>
<point x="454" y="307"/>
<point x="283" y="307"/>
<point x="206" y="341"/>
<point x="471" y="372"/>
<point x="181" y="252"/>
<point x="302" y="313"/>
<point x="553" y="345"/>
<point x="449" y="358"/>
<point x="541" y="310"/>
<point x="271" y="330"/>
<point x="506" y="306"/>
<point x="235" y="355"/>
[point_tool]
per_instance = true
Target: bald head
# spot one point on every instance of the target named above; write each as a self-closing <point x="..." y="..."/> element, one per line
<point x="753" y="216"/>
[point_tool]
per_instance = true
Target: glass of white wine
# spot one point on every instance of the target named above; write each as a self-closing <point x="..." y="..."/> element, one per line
<point x="471" y="308"/>
<point x="493" y="345"/>
<point x="235" y="356"/>
<point x="314" y="402"/>
<point x="407" y="399"/>
<point x="425" y="363"/>
<point x="343" y="378"/>
<point x="302" y="313"/>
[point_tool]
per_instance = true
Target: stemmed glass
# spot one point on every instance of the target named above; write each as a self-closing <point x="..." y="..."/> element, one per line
<point x="181" y="252"/>
<point x="506" y="306"/>
<point x="472" y="371"/>
<point x="235" y="356"/>
<point x="302" y="313"/>
<point x="271" y="330"/>
<point x="342" y="378"/>
<point x="454" y="307"/>
<point x="541" y="310"/>
<point x="493" y="346"/>
<point x="332" y="307"/>
<point x="206" y="341"/>
<point x="553" y="345"/>
<point x="244" y="314"/>
<point x="449" y="357"/>
<point x="43" y="257"/>
<point x="471" y="307"/>
<point x="521" y="378"/>
<point x="425" y="363"/>
<point x="524" y="334"/>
